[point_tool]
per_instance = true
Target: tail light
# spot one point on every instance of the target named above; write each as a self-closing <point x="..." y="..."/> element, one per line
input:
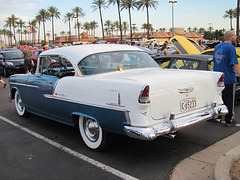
<point x="144" y="95"/>
<point x="220" y="82"/>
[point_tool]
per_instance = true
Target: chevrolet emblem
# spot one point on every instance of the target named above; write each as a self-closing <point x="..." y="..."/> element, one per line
<point x="186" y="90"/>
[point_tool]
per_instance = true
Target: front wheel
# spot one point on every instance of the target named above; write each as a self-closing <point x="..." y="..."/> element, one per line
<point x="93" y="135"/>
<point x="20" y="108"/>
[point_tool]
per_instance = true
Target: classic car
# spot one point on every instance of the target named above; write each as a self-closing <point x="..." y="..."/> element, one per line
<point x="11" y="61"/>
<point x="105" y="89"/>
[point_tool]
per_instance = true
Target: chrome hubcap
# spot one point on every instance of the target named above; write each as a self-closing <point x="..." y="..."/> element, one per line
<point x="91" y="129"/>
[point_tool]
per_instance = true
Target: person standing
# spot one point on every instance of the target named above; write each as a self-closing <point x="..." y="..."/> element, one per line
<point x="164" y="50"/>
<point x="225" y="61"/>
<point x="27" y="55"/>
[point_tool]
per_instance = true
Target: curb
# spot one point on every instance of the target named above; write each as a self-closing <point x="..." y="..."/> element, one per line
<point x="224" y="164"/>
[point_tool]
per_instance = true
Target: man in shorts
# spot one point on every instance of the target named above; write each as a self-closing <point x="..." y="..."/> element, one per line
<point x="27" y="55"/>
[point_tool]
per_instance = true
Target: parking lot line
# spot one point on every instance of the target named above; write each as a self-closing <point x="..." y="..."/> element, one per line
<point x="69" y="151"/>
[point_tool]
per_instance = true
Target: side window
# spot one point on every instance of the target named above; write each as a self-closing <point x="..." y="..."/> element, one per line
<point x="184" y="64"/>
<point x="56" y="66"/>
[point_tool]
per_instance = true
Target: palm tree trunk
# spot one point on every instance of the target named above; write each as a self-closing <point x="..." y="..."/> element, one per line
<point x="44" y="31"/>
<point x="101" y="22"/>
<point x="39" y="32"/>
<point x="148" y="24"/>
<point x="70" y="31"/>
<point x="130" y="21"/>
<point x="53" y="29"/>
<point x="120" y="21"/>
<point x="237" y="33"/>
<point x="231" y="23"/>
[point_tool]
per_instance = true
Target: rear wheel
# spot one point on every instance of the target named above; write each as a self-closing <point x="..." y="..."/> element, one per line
<point x="93" y="135"/>
<point x="20" y="108"/>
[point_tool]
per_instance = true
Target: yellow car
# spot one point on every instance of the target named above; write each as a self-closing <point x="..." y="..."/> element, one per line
<point x="211" y="52"/>
<point x="185" y="46"/>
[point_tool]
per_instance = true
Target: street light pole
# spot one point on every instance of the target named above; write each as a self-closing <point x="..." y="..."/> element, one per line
<point x="172" y="3"/>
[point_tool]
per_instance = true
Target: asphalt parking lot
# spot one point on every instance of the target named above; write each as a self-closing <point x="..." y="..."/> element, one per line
<point x="36" y="148"/>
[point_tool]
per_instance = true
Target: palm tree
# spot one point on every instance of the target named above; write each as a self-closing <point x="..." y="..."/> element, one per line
<point x="78" y="12"/>
<point x="93" y="26"/>
<point x="21" y="24"/>
<point x="144" y="27"/>
<point x="54" y="13"/>
<point x="237" y="14"/>
<point x="125" y="28"/>
<point x="189" y="29"/>
<point x="87" y="26"/>
<point x="45" y="16"/>
<point x="25" y="31"/>
<point x="148" y="4"/>
<point x="201" y="31"/>
<point x="229" y="14"/>
<point x="99" y="4"/>
<point x="1" y="33"/>
<point x="67" y="18"/>
<point x="8" y="24"/>
<point x="39" y="19"/>
<point x="119" y="15"/>
<point x="62" y="33"/>
<point x="129" y="4"/>
<point x="33" y="25"/>
<point x="117" y="26"/>
<point x="14" y="25"/>
<point x="108" y="23"/>
<point x="4" y="32"/>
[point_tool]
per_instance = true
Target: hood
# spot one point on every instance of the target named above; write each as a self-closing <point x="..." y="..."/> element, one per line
<point x="185" y="46"/>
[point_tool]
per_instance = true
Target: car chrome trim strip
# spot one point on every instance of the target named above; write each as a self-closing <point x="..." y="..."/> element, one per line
<point x="21" y="84"/>
<point x="149" y="133"/>
<point x="79" y="102"/>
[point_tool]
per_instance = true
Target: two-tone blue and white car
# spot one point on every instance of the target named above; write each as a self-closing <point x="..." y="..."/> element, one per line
<point x="106" y="89"/>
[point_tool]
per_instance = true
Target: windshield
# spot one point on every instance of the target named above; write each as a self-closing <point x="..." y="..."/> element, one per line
<point x="13" y="55"/>
<point x="115" y="61"/>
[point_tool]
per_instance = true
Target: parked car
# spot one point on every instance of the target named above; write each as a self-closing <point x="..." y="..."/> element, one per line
<point x="11" y="61"/>
<point x="185" y="46"/>
<point x="106" y="88"/>
<point x="186" y="61"/>
<point x="151" y="53"/>
<point x="191" y="62"/>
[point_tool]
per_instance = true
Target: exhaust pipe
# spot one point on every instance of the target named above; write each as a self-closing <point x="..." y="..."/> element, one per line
<point x="171" y="136"/>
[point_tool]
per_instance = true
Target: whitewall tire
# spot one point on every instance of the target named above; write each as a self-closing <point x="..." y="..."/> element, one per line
<point x="20" y="108"/>
<point x="93" y="135"/>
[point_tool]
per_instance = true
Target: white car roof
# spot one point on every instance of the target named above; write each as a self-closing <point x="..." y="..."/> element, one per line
<point x="77" y="53"/>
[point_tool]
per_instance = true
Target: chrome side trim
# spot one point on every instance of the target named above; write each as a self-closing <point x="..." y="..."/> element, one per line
<point x="149" y="133"/>
<point x="85" y="103"/>
<point x="21" y="84"/>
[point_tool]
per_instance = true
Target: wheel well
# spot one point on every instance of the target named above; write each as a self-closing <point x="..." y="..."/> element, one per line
<point x="75" y="119"/>
<point x="13" y="91"/>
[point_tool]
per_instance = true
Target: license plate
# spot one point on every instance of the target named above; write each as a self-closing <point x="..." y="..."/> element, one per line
<point x="188" y="104"/>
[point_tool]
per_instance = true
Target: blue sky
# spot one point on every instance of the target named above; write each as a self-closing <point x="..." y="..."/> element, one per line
<point x="188" y="13"/>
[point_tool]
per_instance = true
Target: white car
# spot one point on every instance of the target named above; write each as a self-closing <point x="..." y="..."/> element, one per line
<point x="107" y="89"/>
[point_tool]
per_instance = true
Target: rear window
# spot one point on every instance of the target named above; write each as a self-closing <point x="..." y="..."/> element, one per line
<point x="184" y="64"/>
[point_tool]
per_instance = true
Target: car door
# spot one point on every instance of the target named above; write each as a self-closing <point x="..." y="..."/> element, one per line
<point x="41" y="85"/>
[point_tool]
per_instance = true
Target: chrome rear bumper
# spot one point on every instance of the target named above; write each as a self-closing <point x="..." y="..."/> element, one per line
<point x="149" y="133"/>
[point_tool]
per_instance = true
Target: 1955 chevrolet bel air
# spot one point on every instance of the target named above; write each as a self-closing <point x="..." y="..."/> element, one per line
<point x="106" y="89"/>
